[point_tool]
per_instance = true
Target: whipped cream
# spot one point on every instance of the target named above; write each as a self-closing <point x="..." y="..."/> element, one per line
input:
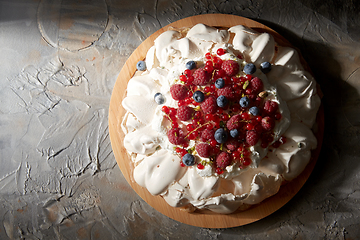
<point x="157" y="166"/>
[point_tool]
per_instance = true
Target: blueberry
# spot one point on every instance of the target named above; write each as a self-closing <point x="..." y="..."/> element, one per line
<point x="219" y="83"/>
<point x="221" y="135"/>
<point x="249" y="68"/>
<point x="234" y="133"/>
<point x="141" y="66"/>
<point x="254" y="111"/>
<point x="265" y="67"/>
<point x="222" y="101"/>
<point x="159" y="98"/>
<point x="188" y="159"/>
<point x="190" y="65"/>
<point x="198" y="96"/>
<point x="244" y="102"/>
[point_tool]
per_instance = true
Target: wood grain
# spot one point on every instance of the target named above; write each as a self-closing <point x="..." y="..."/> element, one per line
<point x="199" y="218"/>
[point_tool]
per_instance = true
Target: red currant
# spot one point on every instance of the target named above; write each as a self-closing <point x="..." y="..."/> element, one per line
<point x="208" y="68"/>
<point x="277" y="116"/>
<point x="190" y="127"/>
<point x="209" y="117"/>
<point x="220" y="73"/>
<point x="165" y="109"/>
<point x="187" y="72"/>
<point x="182" y="78"/>
<point x="174" y="125"/>
<point x="245" y="116"/>
<point x="248" y="77"/>
<point x="193" y="135"/>
<point x="220" y="52"/>
<point x="198" y="114"/>
<point x="225" y="117"/>
<point x="213" y="142"/>
<point x="246" y="161"/>
<point x="219" y="171"/>
<point x="190" y="79"/>
<point x="249" y="126"/>
<point x="235" y="155"/>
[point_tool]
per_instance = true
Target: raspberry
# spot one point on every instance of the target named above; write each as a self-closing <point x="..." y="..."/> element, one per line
<point x="226" y="91"/>
<point x="256" y="84"/>
<point x="252" y="137"/>
<point x="234" y="122"/>
<point x="223" y="160"/>
<point x="203" y="149"/>
<point x="230" y="67"/>
<point x="184" y="113"/>
<point x="209" y="105"/>
<point x="270" y="107"/>
<point x="207" y="135"/>
<point x="267" y="123"/>
<point x="176" y="136"/>
<point x="232" y="144"/>
<point x="201" y="77"/>
<point x="178" y="91"/>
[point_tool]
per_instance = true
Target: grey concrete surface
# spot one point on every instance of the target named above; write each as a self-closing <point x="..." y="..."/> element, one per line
<point x="58" y="64"/>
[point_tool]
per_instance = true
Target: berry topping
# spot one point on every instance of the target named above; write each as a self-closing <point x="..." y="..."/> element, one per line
<point x="265" y="67"/>
<point x="254" y="111"/>
<point x="230" y="67"/>
<point x="219" y="83"/>
<point x="252" y="137"/>
<point x="222" y="101"/>
<point x="184" y="113"/>
<point x="159" y="98"/>
<point x="221" y="135"/>
<point x="223" y="160"/>
<point x="270" y="107"/>
<point x="198" y="96"/>
<point x="267" y="123"/>
<point x="244" y="102"/>
<point x="234" y="133"/>
<point x="209" y="105"/>
<point x="176" y="136"/>
<point x="256" y="84"/>
<point x="203" y="149"/>
<point x="141" y="66"/>
<point x="188" y="159"/>
<point x="178" y="91"/>
<point x="222" y="114"/>
<point x="201" y="77"/>
<point x="234" y="122"/>
<point x="190" y="65"/>
<point x="249" y="68"/>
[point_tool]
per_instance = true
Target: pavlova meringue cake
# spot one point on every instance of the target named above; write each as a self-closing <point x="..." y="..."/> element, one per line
<point x="219" y="119"/>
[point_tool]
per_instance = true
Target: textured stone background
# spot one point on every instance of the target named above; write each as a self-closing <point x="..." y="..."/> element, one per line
<point x="58" y="63"/>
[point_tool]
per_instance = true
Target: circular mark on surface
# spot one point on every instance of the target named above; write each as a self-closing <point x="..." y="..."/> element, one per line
<point x="72" y="24"/>
<point x="351" y="98"/>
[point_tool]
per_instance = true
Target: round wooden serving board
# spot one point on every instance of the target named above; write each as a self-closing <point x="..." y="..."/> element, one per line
<point x="205" y="219"/>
